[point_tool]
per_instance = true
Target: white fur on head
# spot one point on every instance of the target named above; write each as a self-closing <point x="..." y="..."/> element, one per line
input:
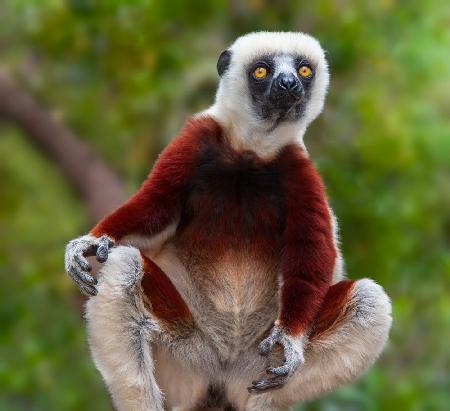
<point x="233" y="108"/>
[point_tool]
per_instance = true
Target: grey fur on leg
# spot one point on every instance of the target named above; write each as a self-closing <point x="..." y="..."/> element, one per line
<point x="120" y="334"/>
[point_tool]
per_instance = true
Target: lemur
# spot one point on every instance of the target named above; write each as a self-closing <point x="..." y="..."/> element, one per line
<point x="224" y="268"/>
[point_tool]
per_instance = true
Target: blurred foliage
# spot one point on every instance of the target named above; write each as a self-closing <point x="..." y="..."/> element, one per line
<point x="124" y="75"/>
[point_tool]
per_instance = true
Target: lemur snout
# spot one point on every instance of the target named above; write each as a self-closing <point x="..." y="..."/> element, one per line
<point x="286" y="90"/>
<point x="288" y="82"/>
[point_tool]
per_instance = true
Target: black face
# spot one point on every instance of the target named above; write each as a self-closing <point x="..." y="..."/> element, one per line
<point x="280" y="86"/>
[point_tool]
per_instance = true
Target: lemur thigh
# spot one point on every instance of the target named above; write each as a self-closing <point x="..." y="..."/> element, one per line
<point x="120" y="333"/>
<point x="349" y="334"/>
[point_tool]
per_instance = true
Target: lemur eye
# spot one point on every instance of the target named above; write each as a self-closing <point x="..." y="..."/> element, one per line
<point x="305" y="71"/>
<point x="260" y="72"/>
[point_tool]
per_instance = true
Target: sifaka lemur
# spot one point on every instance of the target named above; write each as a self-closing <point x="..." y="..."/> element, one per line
<point x="224" y="268"/>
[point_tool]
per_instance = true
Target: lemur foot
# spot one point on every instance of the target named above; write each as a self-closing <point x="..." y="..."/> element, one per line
<point x="293" y="348"/>
<point x="77" y="265"/>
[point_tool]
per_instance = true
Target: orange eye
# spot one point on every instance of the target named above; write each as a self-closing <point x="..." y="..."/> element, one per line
<point x="260" y="72"/>
<point x="305" y="71"/>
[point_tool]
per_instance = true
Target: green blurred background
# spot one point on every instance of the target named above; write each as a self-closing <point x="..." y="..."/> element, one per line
<point x="124" y="75"/>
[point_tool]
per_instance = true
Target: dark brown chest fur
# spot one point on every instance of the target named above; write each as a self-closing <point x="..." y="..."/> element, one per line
<point x="233" y="200"/>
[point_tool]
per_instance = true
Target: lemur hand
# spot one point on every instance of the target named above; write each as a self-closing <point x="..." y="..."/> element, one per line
<point x="76" y="264"/>
<point x="293" y="357"/>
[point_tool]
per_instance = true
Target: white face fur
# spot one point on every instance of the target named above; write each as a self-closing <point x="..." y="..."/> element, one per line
<point x="253" y="112"/>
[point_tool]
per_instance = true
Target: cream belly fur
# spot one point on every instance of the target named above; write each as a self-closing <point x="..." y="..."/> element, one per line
<point x="233" y="300"/>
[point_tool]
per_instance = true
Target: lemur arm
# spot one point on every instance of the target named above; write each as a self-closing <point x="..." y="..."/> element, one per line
<point x="152" y="209"/>
<point x="307" y="264"/>
<point x="157" y="203"/>
<point x="309" y="252"/>
<point x="154" y="206"/>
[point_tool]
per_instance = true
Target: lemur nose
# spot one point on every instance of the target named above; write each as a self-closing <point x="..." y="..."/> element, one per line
<point x="288" y="82"/>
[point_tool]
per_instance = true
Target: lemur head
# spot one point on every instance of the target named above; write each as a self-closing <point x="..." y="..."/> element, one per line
<point x="271" y="83"/>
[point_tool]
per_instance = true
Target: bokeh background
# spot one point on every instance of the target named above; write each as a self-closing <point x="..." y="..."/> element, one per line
<point x="122" y="76"/>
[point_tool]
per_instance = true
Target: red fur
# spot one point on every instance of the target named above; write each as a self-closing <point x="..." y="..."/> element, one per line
<point x="166" y="303"/>
<point x="333" y="309"/>
<point x="229" y="200"/>
<point x="234" y="203"/>
<point x="309" y="254"/>
<point x="157" y="203"/>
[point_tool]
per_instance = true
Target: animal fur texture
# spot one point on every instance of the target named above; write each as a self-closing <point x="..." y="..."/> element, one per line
<point x="224" y="268"/>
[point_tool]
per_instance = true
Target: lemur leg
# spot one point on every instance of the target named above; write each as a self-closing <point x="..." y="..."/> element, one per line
<point x="348" y="336"/>
<point x="121" y="331"/>
<point x="140" y="331"/>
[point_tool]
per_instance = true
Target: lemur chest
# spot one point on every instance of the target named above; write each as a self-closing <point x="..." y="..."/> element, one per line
<point x="230" y="238"/>
<point x="232" y="202"/>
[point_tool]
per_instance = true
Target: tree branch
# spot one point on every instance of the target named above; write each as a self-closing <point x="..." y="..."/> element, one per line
<point x="93" y="179"/>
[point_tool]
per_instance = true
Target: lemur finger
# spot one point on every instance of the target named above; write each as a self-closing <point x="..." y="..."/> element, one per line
<point x="267" y="344"/>
<point x="82" y="262"/>
<point x="84" y="277"/>
<point x="292" y="360"/>
<point x="85" y="289"/>
<point x="102" y="249"/>
<point x="110" y="241"/>
<point x="283" y="370"/>
<point x="279" y="371"/>
<point x="275" y="333"/>
<point x="261" y="386"/>
<point x="102" y="253"/>
<point x="88" y="290"/>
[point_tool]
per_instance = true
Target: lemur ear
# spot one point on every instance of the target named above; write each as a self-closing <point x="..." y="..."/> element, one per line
<point x="223" y="62"/>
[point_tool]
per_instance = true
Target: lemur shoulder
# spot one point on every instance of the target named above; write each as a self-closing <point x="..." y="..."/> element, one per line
<point x="229" y="251"/>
